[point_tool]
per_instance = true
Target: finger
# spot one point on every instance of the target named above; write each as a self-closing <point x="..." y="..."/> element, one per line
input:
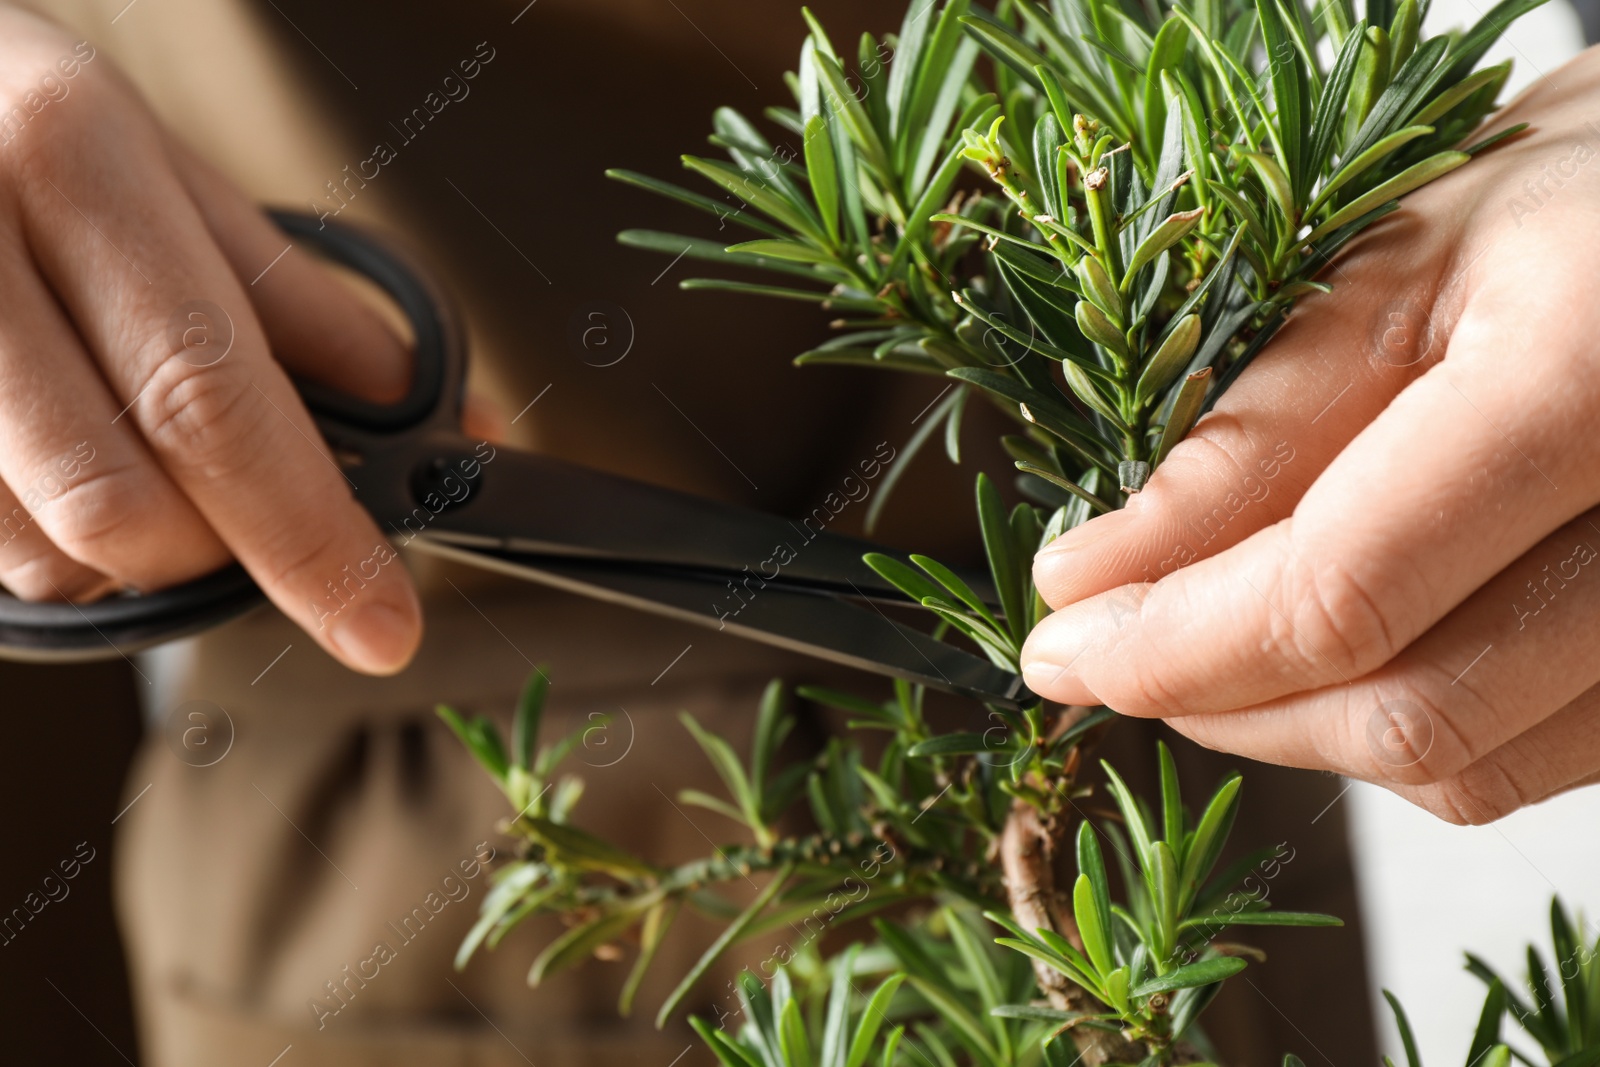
<point x="113" y="510"/>
<point x="1332" y="369"/>
<point x="1390" y="538"/>
<point x="1558" y="754"/>
<point x="231" y="431"/>
<point x="1505" y="660"/>
<point x="316" y="327"/>
<point x="30" y="566"/>
<point x="483" y="417"/>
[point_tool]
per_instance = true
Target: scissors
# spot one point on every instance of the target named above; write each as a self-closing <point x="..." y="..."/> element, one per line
<point x="541" y="519"/>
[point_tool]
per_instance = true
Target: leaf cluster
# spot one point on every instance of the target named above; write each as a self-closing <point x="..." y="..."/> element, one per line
<point x="1152" y="961"/>
<point x="1560" y="1005"/>
<point x="1486" y="1050"/>
<point x="1100" y="227"/>
<point x="779" y="1031"/>
<point x="939" y="999"/>
<point x="880" y="839"/>
<point x="915" y="826"/>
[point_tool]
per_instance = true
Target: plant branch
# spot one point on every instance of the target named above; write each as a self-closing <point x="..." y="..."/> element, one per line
<point x="1029" y="844"/>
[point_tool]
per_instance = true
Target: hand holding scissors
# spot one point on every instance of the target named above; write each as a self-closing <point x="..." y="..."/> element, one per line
<point x="131" y="455"/>
<point x="428" y="485"/>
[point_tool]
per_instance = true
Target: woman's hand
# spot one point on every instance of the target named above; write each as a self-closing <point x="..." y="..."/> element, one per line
<point x="1380" y="555"/>
<point x="149" y="314"/>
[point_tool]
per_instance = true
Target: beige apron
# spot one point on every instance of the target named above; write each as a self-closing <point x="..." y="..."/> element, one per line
<point x="304" y="894"/>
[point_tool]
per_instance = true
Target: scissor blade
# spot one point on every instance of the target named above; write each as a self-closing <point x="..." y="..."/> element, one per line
<point x="538" y="505"/>
<point x="812" y="623"/>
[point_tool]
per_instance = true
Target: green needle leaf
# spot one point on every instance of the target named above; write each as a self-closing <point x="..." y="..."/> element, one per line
<point x="1172" y="828"/>
<point x="1277" y="186"/>
<point x="1195" y="974"/>
<point x="530" y="711"/>
<point x="854" y="116"/>
<point x="1404" y="1026"/>
<point x="1068" y="484"/>
<point x="579" y="943"/>
<point x="760" y="195"/>
<point x="652" y="933"/>
<point x="1171" y="230"/>
<point x="1445" y="101"/>
<point x="728" y="936"/>
<point x="728" y="768"/>
<point x="1263" y="918"/>
<point x="1411" y="178"/>
<point x="1185" y="410"/>
<point x="790" y="250"/>
<point x="1169" y="360"/>
<point x="1368" y="159"/>
<point x="872" y="1019"/>
<point x="584" y="849"/>
<point x="723" y="209"/>
<point x="1005" y="561"/>
<point x="729" y="1052"/>
<point x="752" y="289"/>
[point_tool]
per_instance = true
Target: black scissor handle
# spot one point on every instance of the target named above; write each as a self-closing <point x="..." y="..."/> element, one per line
<point x="439" y="363"/>
<point x="118" y="625"/>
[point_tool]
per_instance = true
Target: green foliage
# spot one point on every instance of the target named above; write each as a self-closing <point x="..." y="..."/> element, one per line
<point x="759" y="794"/>
<point x="1559" y="1006"/>
<point x="1486" y="1050"/>
<point x="1151" y="961"/>
<point x="1010" y="541"/>
<point x="1092" y="214"/>
<point x="880" y="839"/>
<point x="1099" y="229"/>
<point x="922" y="996"/>
<point x="912" y="826"/>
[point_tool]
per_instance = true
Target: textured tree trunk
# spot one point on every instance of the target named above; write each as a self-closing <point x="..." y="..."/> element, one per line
<point x="1028" y="848"/>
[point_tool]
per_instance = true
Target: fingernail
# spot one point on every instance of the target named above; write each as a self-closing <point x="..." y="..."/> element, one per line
<point x="1042" y="676"/>
<point x="380" y="637"/>
<point x="1091" y="532"/>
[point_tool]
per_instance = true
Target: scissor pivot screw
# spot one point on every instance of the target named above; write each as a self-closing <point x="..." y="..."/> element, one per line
<point x="442" y="483"/>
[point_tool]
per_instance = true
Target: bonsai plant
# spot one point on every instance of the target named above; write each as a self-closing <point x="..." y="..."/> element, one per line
<point x="1091" y="215"/>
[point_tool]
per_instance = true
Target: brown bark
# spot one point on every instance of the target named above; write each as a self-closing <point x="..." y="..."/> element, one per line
<point x="1028" y="847"/>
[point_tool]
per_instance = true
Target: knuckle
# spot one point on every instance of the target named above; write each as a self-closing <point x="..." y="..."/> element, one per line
<point x="1411" y="737"/>
<point x="40" y="144"/>
<point x="1481" y="794"/>
<point x="91" y="518"/>
<point x="200" y="416"/>
<point x="40" y="574"/>
<point x="1201" y="730"/>
<point x="1209" y="449"/>
<point x="1328" y="624"/>
<point x="28" y="155"/>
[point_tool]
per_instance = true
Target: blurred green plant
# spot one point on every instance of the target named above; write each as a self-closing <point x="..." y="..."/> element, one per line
<point x="1561" y="1009"/>
<point x="1486" y="1049"/>
<point x="918" y="826"/>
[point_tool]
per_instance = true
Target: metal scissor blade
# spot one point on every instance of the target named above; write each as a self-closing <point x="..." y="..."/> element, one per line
<point x="537" y="505"/>
<point x="814" y="624"/>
